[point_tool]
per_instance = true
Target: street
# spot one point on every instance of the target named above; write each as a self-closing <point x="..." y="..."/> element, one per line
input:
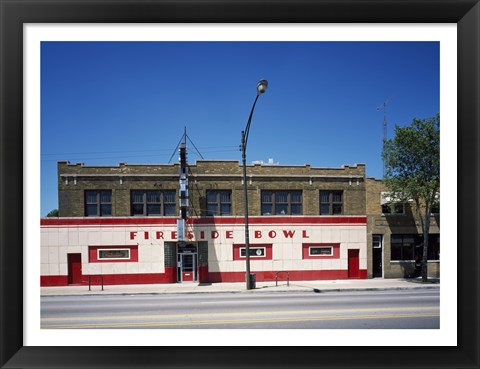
<point x="392" y="309"/>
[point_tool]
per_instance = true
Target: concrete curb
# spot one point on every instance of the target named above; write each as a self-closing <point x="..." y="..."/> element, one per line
<point x="265" y="289"/>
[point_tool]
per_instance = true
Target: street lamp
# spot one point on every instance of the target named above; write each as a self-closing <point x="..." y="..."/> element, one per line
<point x="261" y="88"/>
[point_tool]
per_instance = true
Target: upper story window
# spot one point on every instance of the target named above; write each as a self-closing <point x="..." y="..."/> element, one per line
<point x="331" y="202"/>
<point x="282" y="203"/>
<point x="390" y="205"/>
<point x="98" y="203"/>
<point x="219" y="203"/>
<point x="153" y="202"/>
<point x="393" y="208"/>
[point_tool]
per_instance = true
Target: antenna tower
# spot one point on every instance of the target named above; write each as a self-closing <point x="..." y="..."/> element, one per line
<point x="184" y="139"/>
<point x="384" y="138"/>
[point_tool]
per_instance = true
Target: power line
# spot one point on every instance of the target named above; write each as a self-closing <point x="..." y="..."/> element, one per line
<point x="121" y="157"/>
<point x="135" y="151"/>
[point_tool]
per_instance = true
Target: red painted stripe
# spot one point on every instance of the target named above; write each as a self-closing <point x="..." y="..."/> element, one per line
<point x="294" y="275"/>
<point x="204" y="275"/>
<point x="280" y="220"/>
<point x="106" y="221"/>
<point x="53" y="280"/>
<point x="169" y="276"/>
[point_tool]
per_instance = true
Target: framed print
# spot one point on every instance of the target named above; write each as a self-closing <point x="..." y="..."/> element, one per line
<point x="15" y="201"/>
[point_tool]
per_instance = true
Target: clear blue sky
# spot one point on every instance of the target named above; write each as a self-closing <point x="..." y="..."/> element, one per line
<point x="108" y="102"/>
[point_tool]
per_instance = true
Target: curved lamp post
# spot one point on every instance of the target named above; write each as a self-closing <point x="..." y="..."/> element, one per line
<point x="261" y="88"/>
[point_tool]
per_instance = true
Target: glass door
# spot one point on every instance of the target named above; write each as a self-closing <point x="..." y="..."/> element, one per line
<point x="187" y="262"/>
<point x="189" y="267"/>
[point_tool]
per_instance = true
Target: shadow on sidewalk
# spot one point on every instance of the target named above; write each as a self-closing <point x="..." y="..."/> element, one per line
<point x="418" y="280"/>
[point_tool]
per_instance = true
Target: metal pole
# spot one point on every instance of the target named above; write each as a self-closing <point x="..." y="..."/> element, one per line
<point x="261" y="87"/>
<point x="247" y="234"/>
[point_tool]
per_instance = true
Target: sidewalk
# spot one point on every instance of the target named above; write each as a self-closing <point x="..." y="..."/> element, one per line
<point x="240" y="287"/>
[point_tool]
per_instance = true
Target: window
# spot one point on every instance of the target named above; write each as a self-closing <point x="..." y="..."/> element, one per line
<point x="98" y="203"/>
<point x="281" y="203"/>
<point x="259" y="251"/>
<point x="377" y="241"/>
<point x="331" y="202"/>
<point x="403" y="247"/>
<point x="219" y="203"/>
<point x="153" y="202"/>
<point x="435" y="209"/>
<point x="255" y="252"/>
<point x="320" y="251"/>
<point x="410" y="247"/>
<point x="390" y="205"/>
<point x="393" y="208"/>
<point x="433" y="247"/>
<point x="436" y="205"/>
<point x="113" y="254"/>
<point x="117" y="254"/>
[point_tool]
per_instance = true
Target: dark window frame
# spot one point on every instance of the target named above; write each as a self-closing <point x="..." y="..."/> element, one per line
<point x="320" y="251"/>
<point x="377" y="241"/>
<point x="406" y="251"/>
<point x="276" y="202"/>
<point x="103" y="208"/>
<point x="393" y="208"/>
<point x="100" y="253"/>
<point x="331" y="203"/>
<point x="253" y="250"/>
<point x="416" y="247"/>
<point x="161" y="203"/>
<point x="218" y="203"/>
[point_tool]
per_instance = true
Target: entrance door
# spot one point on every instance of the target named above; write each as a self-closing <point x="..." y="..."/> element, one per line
<point x="377" y="256"/>
<point x="187" y="263"/>
<point x="74" y="268"/>
<point x="353" y="264"/>
<point x="189" y="267"/>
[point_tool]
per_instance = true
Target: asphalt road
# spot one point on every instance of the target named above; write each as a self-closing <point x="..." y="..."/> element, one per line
<point x="393" y="309"/>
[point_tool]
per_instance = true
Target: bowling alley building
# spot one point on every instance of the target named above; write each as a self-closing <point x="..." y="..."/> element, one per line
<point x="125" y="225"/>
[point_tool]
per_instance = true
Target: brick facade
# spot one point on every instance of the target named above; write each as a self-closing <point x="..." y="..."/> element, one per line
<point x="74" y="179"/>
<point x="386" y="225"/>
<point x="286" y="237"/>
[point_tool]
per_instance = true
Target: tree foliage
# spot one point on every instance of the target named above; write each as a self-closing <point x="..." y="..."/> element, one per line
<point x="53" y="213"/>
<point x="412" y="170"/>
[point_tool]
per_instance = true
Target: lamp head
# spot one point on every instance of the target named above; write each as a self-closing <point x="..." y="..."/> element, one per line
<point x="262" y="86"/>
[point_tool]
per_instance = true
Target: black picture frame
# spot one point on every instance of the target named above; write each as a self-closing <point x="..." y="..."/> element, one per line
<point x="15" y="13"/>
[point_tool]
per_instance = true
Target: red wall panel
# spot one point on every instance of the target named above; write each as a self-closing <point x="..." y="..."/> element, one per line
<point x="93" y="254"/>
<point x="335" y="246"/>
<point x="267" y="246"/>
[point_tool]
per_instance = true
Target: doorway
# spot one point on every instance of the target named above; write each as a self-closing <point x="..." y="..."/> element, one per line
<point x="187" y="262"/>
<point x="377" y="256"/>
<point x="353" y="263"/>
<point x="74" y="268"/>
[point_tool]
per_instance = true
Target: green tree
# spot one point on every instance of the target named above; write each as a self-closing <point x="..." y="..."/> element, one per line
<point x="412" y="171"/>
<point x="53" y="213"/>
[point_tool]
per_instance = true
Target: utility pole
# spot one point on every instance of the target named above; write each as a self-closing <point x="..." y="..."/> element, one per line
<point x="183" y="195"/>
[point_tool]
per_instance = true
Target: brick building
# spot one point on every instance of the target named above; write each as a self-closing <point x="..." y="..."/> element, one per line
<point x="120" y="223"/>
<point x="395" y="236"/>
